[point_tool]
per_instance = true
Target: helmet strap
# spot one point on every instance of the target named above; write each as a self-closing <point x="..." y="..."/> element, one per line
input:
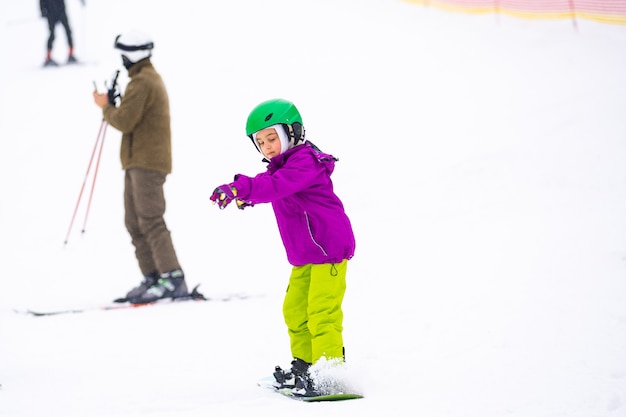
<point x="127" y="62"/>
<point x="295" y="132"/>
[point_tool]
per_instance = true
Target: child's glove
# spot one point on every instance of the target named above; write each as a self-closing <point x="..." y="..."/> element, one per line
<point x="243" y="204"/>
<point x="223" y="195"/>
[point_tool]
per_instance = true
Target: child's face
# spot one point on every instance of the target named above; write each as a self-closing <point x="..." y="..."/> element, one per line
<point x="269" y="142"/>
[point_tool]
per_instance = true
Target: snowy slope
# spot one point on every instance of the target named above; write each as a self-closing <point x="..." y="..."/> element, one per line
<point x="481" y="162"/>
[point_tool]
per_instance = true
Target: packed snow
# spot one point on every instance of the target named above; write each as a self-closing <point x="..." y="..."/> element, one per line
<point x="481" y="161"/>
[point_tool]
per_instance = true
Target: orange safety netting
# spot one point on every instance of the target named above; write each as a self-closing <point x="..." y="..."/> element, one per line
<point x="608" y="11"/>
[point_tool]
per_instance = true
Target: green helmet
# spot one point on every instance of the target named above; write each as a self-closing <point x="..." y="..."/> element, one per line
<point x="272" y="112"/>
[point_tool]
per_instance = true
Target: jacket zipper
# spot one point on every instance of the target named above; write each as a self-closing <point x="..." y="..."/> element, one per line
<point x="308" y="225"/>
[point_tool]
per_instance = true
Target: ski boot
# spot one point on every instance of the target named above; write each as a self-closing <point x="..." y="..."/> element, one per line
<point x="170" y="285"/>
<point x="148" y="281"/>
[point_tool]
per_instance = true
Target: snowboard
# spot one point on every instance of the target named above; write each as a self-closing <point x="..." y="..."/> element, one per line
<point x="268" y="382"/>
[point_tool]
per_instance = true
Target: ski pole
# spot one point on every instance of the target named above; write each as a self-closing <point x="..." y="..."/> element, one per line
<point x="102" y="127"/>
<point x="95" y="175"/>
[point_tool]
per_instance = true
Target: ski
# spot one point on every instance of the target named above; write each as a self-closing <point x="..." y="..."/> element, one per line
<point x="120" y="304"/>
<point x="67" y="64"/>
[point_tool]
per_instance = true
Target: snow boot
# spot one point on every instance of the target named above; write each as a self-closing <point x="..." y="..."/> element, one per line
<point x="72" y="59"/>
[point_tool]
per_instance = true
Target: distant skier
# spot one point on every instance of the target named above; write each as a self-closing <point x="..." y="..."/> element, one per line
<point x="316" y="233"/>
<point x="54" y="11"/>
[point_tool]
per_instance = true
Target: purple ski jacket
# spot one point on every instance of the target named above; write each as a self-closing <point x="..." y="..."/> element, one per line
<point x="311" y="219"/>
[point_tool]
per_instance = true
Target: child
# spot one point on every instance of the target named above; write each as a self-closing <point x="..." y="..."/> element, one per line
<point x="315" y="231"/>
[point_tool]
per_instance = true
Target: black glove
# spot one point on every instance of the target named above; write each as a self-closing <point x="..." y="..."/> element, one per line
<point x="113" y="94"/>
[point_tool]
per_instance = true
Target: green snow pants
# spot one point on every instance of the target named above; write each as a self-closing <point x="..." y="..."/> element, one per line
<point x="312" y="311"/>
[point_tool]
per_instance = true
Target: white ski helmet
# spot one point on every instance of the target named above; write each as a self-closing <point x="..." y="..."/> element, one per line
<point x="135" y="46"/>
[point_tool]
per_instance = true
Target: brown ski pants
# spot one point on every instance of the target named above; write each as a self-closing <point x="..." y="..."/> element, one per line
<point x="144" y="205"/>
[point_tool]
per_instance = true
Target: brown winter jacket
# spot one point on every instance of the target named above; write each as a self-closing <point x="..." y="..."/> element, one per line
<point x="143" y="117"/>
